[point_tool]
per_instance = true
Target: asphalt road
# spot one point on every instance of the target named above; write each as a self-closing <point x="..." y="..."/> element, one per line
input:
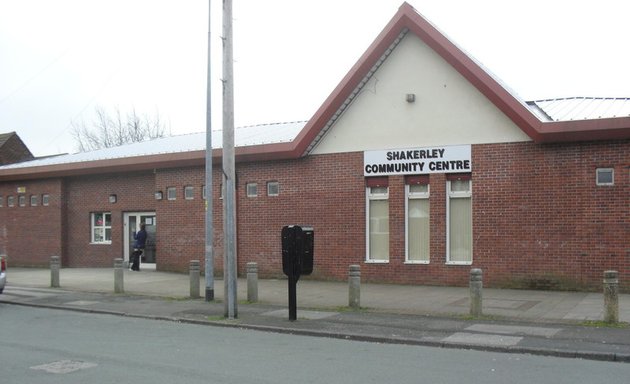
<point x="53" y="346"/>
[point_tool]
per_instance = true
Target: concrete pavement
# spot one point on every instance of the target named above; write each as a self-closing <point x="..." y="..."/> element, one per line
<point x="540" y="322"/>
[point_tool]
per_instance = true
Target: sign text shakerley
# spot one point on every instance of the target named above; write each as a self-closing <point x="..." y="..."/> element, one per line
<point x="446" y="159"/>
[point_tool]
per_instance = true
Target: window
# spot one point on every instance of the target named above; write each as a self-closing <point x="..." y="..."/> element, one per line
<point x="22" y="200"/>
<point x="377" y="220"/>
<point x="417" y="220"/>
<point x="459" y="221"/>
<point x="101" y="228"/>
<point x="45" y="199"/>
<point x="189" y="192"/>
<point x="252" y="189"/>
<point x="605" y="176"/>
<point x="273" y="188"/>
<point x="203" y="192"/>
<point x="34" y="200"/>
<point x="171" y="193"/>
<point x="1" y="201"/>
<point x="10" y="201"/>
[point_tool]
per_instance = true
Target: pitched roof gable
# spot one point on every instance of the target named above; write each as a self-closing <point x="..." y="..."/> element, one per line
<point x="408" y="20"/>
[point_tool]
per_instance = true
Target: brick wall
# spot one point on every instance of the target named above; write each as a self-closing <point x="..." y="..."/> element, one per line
<point x="539" y="220"/>
<point x="85" y="195"/>
<point x="30" y="234"/>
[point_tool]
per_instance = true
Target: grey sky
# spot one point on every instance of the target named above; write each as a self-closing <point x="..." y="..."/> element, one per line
<point x="59" y="59"/>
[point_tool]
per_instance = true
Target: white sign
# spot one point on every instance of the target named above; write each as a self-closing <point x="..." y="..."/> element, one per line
<point x="418" y="161"/>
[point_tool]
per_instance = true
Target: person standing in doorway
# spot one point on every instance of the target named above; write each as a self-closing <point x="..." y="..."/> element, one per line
<point x="140" y="239"/>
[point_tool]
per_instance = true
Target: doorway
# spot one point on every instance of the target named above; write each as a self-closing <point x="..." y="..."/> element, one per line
<point x="132" y="221"/>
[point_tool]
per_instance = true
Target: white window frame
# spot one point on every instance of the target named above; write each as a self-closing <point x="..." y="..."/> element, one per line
<point x="252" y="189"/>
<point x="22" y="200"/>
<point x="171" y="193"/>
<point x="189" y="192"/>
<point x="599" y="171"/>
<point x="45" y="199"/>
<point x="454" y="195"/>
<point x="104" y="227"/>
<point x="369" y="196"/>
<point x="415" y="196"/>
<point x="1" y="201"/>
<point x="10" y="201"/>
<point x="34" y="200"/>
<point x="270" y="186"/>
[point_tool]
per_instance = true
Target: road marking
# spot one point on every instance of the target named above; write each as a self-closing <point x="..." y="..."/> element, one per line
<point x="64" y="366"/>
<point x="15" y="293"/>
<point x="482" y="339"/>
<point x="514" y="330"/>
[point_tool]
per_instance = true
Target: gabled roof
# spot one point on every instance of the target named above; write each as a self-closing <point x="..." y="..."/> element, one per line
<point x="408" y="20"/>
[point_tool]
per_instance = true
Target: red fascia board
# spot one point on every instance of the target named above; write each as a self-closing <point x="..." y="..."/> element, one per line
<point x="139" y="163"/>
<point x="617" y="128"/>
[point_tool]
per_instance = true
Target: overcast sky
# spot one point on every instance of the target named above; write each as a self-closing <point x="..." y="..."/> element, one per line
<point x="60" y="59"/>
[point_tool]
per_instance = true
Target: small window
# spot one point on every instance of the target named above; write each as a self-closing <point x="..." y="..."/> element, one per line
<point x="101" y="228"/>
<point x="377" y="224"/>
<point x="252" y="189"/>
<point x="459" y="240"/>
<point x="34" y="200"/>
<point x="273" y="188"/>
<point x="189" y="192"/>
<point x="171" y="193"/>
<point x="1" y="201"/>
<point x="605" y="176"/>
<point x="417" y="227"/>
<point x="203" y="192"/>
<point x="45" y="200"/>
<point x="11" y="201"/>
<point x="22" y="200"/>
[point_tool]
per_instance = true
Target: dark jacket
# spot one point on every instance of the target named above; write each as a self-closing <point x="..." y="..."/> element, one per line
<point x="140" y="239"/>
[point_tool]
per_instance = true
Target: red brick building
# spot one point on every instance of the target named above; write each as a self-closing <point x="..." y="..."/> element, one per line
<point x="419" y="166"/>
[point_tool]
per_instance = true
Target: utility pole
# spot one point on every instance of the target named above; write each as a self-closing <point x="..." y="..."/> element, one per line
<point x="229" y="172"/>
<point x="209" y="258"/>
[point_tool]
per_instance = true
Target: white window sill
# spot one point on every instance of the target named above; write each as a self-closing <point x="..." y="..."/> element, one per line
<point x="459" y="263"/>
<point x="377" y="261"/>
<point x="411" y="262"/>
<point x="102" y="243"/>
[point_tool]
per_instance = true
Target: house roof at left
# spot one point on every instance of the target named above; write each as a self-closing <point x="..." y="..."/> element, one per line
<point x="12" y="149"/>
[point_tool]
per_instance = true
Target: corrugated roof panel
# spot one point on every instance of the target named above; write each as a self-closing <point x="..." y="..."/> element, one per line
<point x="584" y="108"/>
<point x="243" y="137"/>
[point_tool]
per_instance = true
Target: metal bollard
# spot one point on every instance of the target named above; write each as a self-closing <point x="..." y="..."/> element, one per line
<point x="119" y="285"/>
<point x="611" y="297"/>
<point x="354" y="287"/>
<point x="476" y="294"/>
<point x="252" y="282"/>
<point x="193" y="269"/>
<point x="55" y="264"/>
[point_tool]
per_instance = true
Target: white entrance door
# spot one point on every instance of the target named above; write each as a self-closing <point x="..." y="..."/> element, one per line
<point x="132" y="221"/>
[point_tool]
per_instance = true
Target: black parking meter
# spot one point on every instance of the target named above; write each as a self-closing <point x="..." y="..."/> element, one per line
<point x="297" y="259"/>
